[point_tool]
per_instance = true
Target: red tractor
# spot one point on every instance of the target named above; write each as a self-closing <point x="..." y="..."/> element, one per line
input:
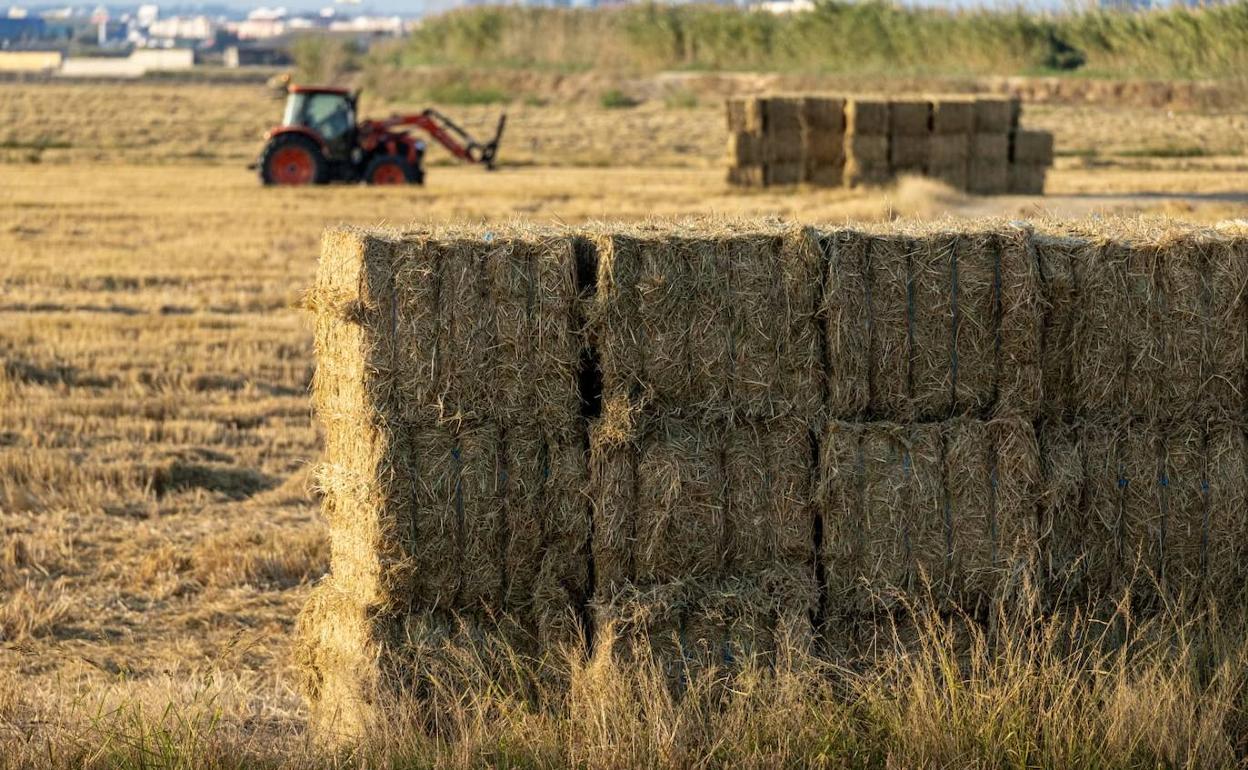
<point x="320" y="141"/>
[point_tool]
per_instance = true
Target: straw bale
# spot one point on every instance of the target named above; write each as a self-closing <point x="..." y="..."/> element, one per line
<point x="909" y="118"/>
<point x="1032" y="147"/>
<point x="822" y="174"/>
<point x="953" y="115"/>
<point x="955" y="175"/>
<point x="923" y="531"/>
<point x="1180" y="326"/>
<point x="769" y="514"/>
<point x="1019" y="324"/>
<point x="1087" y="549"/>
<point x="1140" y="552"/>
<point x="799" y="372"/>
<point x="783" y="146"/>
<point x="932" y="321"/>
<point x="866" y="150"/>
<point x="744" y="114"/>
<point x="434" y="464"/>
<point x="746" y="176"/>
<point x="888" y="266"/>
<point x="469" y="337"/>
<point x="1100" y="366"/>
<point x="784" y="173"/>
<point x="847" y="322"/>
<point x="418" y="330"/>
<point x="866" y="116"/>
<point x="908" y="153"/>
<point x="842" y="485"/>
<point x="990" y="149"/>
<point x="975" y="323"/>
<point x="745" y="148"/>
<point x="523" y="479"/>
<point x="824" y="147"/>
<point x="994" y="115"/>
<point x="709" y="316"/>
<point x="644" y="627"/>
<point x="1225" y="543"/>
<point x="823" y="114"/>
<point x="680" y="502"/>
<point x="988" y="178"/>
<point x="1027" y="178"/>
<point x="613" y="495"/>
<point x="945" y="150"/>
<point x="1182" y="528"/>
<point x="1061" y="517"/>
<point x="782" y="115"/>
<point x="555" y="348"/>
<point x="1055" y="258"/>
<point x="508" y="284"/>
<point x="1225" y="337"/>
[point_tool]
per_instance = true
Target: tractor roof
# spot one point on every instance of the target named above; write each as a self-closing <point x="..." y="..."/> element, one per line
<point x="319" y="90"/>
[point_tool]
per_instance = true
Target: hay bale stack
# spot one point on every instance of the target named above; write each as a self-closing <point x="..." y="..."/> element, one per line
<point x="909" y="129"/>
<point x="447" y="384"/>
<point x="866" y="141"/>
<point x="746" y="152"/>
<point x="989" y="171"/>
<point x="949" y="146"/>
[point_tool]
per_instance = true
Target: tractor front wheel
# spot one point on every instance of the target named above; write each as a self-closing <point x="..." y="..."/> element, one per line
<point x="292" y="159"/>
<point x="391" y="169"/>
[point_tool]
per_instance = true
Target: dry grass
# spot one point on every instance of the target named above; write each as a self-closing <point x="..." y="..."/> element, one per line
<point x="157" y="530"/>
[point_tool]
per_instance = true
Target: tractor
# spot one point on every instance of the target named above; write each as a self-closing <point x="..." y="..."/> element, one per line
<point x="320" y="141"/>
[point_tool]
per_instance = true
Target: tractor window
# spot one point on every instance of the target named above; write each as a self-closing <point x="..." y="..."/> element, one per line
<point x="329" y="115"/>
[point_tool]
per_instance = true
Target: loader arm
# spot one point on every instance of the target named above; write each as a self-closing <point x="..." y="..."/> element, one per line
<point x="450" y="135"/>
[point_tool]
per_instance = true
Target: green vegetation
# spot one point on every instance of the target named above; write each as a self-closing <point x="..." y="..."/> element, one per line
<point x="614" y="99"/>
<point x="846" y="38"/>
<point x="461" y="93"/>
<point x="325" y="60"/>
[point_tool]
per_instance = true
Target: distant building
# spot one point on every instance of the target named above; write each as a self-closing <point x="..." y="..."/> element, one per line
<point x="21" y="30"/>
<point x="256" y="56"/>
<point x="183" y="28"/>
<point x="374" y="25"/>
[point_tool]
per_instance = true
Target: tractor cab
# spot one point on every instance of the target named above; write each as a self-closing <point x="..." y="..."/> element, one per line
<point x="329" y="113"/>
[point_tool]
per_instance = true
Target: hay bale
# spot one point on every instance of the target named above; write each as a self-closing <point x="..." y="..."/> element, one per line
<point x="953" y="116"/>
<point x="822" y="174"/>
<point x="783" y="174"/>
<point x="823" y="115"/>
<point x="1182" y="527"/>
<point x="841" y="489"/>
<point x="944" y="150"/>
<point x="866" y="116"/>
<point x="1019" y="331"/>
<point x="990" y="149"/>
<point x="908" y="153"/>
<point x="933" y="314"/>
<point x="992" y="472"/>
<point x="641" y="626"/>
<point x="1139" y="335"/>
<point x="995" y="115"/>
<point x="866" y="150"/>
<point x="707" y="262"/>
<point x="680" y="517"/>
<point x="888" y="271"/>
<point x="976" y="318"/>
<point x="746" y="176"/>
<point x="434" y="465"/>
<point x="563" y="584"/>
<point x="988" y="178"/>
<point x="1027" y="179"/>
<point x="1139" y="567"/>
<point x="744" y="114"/>
<point x="1179" y="325"/>
<point x="1087" y="550"/>
<point x="1100" y="365"/>
<point x="782" y="115"/>
<point x="769" y="510"/>
<point x="783" y="146"/>
<point x="847" y="322"/>
<point x="745" y="148"/>
<point x="909" y="117"/>
<point x="554" y="349"/>
<point x="825" y="148"/>
<point x="1031" y="148"/>
<point x="1055" y="259"/>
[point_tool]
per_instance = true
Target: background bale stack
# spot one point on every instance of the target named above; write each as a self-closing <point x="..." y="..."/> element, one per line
<point x="823" y="139"/>
<point x="745" y="142"/>
<point x="1031" y="155"/>
<point x="949" y="146"/>
<point x="909" y="130"/>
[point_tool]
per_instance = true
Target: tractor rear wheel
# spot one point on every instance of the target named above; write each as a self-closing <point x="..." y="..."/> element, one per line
<point x="391" y="169"/>
<point x="292" y="159"/>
